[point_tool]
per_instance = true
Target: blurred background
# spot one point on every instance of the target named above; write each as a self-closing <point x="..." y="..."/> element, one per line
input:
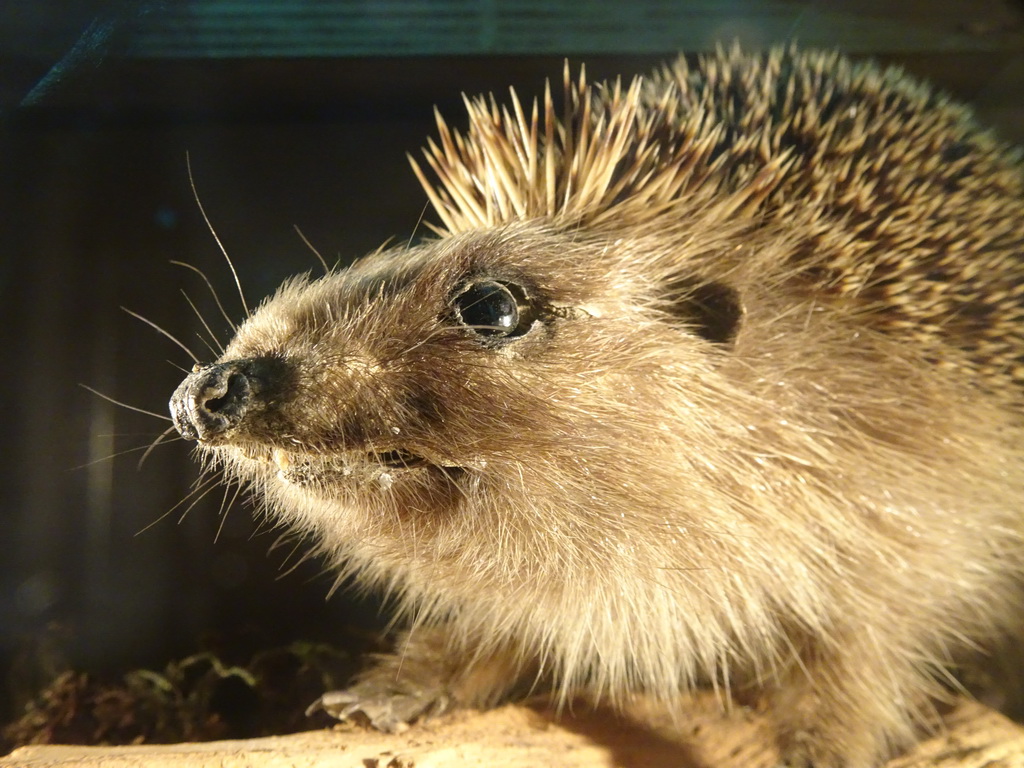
<point x="291" y="114"/>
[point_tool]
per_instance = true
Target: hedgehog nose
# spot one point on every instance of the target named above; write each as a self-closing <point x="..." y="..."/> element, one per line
<point x="213" y="399"/>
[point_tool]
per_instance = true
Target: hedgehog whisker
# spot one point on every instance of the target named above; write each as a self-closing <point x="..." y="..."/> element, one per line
<point x="158" y="441"/>
<point x="203" y="485"/>
<point x="323" y="262"/>
<point x="216" y="300"/>
<point x="226" y="505"/>
<point x="216" y="237"/>
<point x="162" y="331"/>
<point x="213" y="339"/>
<point x="116" y="454"/>
<point x="109" y="399"/>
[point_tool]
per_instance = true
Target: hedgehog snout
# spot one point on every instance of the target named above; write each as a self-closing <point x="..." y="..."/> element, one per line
<point x="215" y="399"/>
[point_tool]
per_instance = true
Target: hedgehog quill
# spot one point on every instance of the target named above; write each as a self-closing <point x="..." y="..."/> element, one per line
<point x="711" y="379"/>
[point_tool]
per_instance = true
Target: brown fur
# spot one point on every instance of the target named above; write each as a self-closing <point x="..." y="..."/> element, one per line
<point x="765" y="432"/>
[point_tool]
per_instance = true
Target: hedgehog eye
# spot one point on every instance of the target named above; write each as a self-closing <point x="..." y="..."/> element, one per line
<point x="493" y="309"/>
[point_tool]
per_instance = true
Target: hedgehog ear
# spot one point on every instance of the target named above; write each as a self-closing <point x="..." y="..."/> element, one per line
<point x="712" y="310"/>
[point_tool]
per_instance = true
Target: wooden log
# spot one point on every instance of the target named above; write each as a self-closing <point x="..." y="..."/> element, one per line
<point x="517" y="736"/>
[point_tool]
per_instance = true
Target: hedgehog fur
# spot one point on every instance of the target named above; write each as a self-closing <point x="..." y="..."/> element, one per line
<point x="749" y="413"/>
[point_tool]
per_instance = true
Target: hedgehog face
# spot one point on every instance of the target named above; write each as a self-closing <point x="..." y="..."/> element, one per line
<point x="376" y="382"/>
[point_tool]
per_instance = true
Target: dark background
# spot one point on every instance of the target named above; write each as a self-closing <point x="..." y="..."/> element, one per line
<point x="292" y="114"/>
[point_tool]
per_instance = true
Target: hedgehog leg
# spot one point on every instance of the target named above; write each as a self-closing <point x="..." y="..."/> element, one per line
<point x="849" y="704"/>
<point x="421" y="679"/>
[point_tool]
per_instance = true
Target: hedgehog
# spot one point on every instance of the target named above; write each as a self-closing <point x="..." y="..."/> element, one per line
<point x="712" y="379"/>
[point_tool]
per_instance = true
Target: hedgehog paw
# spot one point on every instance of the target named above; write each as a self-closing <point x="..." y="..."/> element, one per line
<point x="389" y="708"/>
